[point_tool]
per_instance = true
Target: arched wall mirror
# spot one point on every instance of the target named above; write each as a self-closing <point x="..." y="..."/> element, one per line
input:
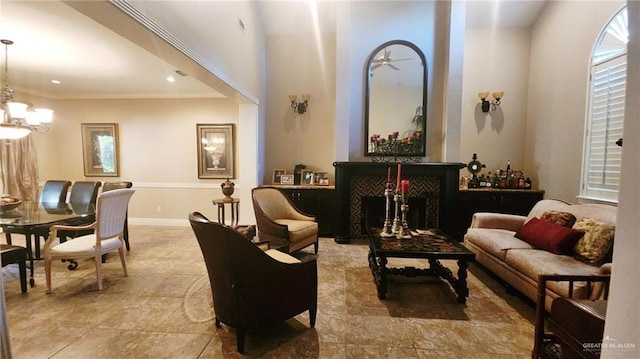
<point x="395" y="101"/>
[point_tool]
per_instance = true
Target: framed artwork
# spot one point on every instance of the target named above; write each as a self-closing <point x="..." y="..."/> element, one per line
<point x="321" y="178"/>
<point x="277" y="174"/>
<point x="286" y="179"/>
<point x="100" y="149"/>
<point x="216" y="154"/>
<point x="306" y="178"/>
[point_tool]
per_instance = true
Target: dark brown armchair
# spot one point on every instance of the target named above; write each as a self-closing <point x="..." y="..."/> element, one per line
<point x="250" y="288"/>
<point x="281" y="223"/>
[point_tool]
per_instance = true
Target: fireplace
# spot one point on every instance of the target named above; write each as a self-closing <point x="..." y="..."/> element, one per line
<point x="360" y="190"/>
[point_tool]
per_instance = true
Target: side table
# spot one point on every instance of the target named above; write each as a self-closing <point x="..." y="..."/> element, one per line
<point x="234" y="203"/>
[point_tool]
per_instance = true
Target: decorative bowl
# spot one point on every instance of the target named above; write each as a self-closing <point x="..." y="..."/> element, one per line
<point x="9" y="203"/>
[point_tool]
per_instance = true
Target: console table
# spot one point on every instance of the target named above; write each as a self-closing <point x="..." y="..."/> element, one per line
<point x="496" y="200"/>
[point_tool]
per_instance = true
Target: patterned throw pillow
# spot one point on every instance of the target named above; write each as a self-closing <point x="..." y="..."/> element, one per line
<point x="596" y="244"/>
<point x="564" y="219"/>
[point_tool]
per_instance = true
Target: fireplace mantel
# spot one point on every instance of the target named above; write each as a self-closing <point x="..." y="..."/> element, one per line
<point x="354" y="180"/>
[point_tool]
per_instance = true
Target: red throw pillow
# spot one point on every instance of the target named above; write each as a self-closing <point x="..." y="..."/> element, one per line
<point x="549" y="236"/>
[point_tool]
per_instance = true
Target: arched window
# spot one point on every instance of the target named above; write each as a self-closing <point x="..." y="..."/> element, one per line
<point x="605" y="118"/>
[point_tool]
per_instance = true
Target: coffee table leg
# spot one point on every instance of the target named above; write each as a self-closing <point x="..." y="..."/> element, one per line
<point x="462" y="290"/>
<point x="378" y="269"/>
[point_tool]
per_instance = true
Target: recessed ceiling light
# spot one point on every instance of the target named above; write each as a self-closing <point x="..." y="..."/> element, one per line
<point x="56" y="82"/>
<point x="171" y="79"/>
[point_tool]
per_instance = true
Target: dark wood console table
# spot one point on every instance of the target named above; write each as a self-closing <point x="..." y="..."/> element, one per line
<point x="496" y="200"/>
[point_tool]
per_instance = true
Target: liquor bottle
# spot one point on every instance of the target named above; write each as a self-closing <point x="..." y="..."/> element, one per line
<point x="527" y="183"/>
<point x="489" y="179"/>
<point x="483" y="181"/>
<point x="496" y="179"/>
<point x="508" y="168"/>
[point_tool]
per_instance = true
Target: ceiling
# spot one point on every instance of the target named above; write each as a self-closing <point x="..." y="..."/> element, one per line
<point x="52" y="41"/>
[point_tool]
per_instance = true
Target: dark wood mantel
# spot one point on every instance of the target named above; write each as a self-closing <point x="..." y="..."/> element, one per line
<point x="437" y="182"/>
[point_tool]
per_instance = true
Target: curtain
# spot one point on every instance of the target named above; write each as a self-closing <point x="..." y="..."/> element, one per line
<point x="19" y="166"/>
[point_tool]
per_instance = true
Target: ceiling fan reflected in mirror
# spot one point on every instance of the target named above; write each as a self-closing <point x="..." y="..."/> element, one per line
<point x="386" y="60"/>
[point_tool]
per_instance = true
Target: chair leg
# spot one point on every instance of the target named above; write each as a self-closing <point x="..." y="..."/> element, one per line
<point x="315" y="247"/>
<point x="125" y="234"/>
<point x="47" y="272"/>
<point x="98" y="270"/>
<point x="240" y="340"/>
<point x="7" y="235"/>
<point x="312" y="316"/>
<point x="123" y="260"/>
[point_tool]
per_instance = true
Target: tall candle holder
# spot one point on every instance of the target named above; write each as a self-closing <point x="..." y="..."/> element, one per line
<point x="404" y="231"/>
<point x="397" y="223"/>
<point x="388" y="194"/>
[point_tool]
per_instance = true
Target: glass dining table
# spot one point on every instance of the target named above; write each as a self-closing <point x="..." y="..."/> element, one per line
<point x="34" y="220"/>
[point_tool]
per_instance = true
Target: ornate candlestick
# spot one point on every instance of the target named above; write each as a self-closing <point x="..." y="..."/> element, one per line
<point x="404" y="229"/>
<point x="388" y="194"/>
<point x="397" y="224"/>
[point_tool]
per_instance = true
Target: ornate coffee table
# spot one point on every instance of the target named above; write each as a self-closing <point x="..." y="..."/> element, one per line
<point x="432" y="245"/>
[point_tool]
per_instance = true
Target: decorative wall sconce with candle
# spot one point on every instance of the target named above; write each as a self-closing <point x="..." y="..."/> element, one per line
<point x="299" y="107"/>
<point x="16" y="119"/>
<point x="488" y="103"/>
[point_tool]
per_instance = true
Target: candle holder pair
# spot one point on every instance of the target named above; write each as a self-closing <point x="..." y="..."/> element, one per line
<point x="399" y="227"/>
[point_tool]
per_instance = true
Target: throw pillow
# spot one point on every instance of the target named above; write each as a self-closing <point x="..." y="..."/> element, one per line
<point x="565" y="219"/>
<point x="549" y="236"/>
<point x="597" y="242"/>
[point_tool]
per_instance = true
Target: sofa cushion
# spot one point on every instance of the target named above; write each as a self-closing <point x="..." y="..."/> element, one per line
<point x="533" y="262"/>
<point x="597" y="242"/>
<point x="564" y="219"/>
<point x="495" y="241"/>
<point x="549" y="236"/>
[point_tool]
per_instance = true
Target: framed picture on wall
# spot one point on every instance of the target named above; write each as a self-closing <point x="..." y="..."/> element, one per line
<point x="216" y="151"/>
<point x="277" y="174"/>
<point x="100" y="149"/>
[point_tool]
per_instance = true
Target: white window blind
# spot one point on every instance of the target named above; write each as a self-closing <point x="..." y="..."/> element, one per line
<point x="603" y="156"/>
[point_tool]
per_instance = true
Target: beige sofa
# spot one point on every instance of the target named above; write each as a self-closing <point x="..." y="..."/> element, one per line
<point x="491" y="237"/>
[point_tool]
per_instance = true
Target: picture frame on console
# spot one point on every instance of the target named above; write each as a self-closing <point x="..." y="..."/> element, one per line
<point x="100" y="149"/>
<point x="216" y="150"/>
<point x="306" y="178"/>
<point x="277" y="176"/>
<point x="286" y="179"/>
<point x="321" y="178"/>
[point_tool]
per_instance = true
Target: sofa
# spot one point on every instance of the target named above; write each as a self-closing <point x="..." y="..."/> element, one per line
<point x="556" y="237"/>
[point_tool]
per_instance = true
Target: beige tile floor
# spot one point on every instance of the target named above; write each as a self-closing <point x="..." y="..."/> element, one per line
<point x="163" y="310"/>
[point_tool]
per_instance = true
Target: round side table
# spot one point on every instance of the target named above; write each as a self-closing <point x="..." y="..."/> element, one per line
<point x="234" y="203"/>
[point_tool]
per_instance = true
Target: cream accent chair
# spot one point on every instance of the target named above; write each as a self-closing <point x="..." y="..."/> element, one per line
<point x="281" y="223"/>
<point x="111" y="211"/>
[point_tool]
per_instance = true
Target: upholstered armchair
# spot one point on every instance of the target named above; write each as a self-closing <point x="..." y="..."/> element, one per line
<point x="281" y="223"/>
<point x="252" y="288"/>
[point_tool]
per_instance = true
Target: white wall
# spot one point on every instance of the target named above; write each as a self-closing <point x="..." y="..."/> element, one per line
<point x="495" y="61"/>
<point x="561" y="48"/>
<point x="622" y="309"/>
<point x="300" y="64"/>
<point x="158" y="153"/>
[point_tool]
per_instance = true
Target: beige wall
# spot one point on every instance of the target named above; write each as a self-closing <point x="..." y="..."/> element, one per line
<point x="561" y="48"/>
<point x="157" y="151"/>
<point x="300" y="64"/>
<point x="495" y="61"/>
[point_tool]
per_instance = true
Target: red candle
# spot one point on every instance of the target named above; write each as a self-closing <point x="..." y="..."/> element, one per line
<point x="389" y="174"/>
<point x="405" y="186"/>
<point x="398" y="181"/>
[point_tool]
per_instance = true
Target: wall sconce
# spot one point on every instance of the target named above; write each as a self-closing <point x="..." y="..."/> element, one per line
<point x="299" y="107"/>
<point x="486" y="104"/>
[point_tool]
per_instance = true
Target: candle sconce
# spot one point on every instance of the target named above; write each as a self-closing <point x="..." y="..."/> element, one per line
<point x="490" y="104"/>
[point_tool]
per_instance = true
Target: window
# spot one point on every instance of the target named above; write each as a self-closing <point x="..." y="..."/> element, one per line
<point x="605" y="118"/>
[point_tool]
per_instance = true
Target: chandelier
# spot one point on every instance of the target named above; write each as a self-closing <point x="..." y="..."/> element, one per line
<point x="17" y="119"/>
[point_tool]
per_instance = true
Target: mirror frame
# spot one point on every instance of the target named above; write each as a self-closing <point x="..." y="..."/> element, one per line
<point x="367" y="87"/>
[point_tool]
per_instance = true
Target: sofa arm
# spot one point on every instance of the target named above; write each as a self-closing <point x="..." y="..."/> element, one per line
<point x="510" y="222"/>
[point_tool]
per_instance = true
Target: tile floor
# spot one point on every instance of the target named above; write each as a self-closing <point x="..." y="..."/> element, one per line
<point x="163" y="310"/>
